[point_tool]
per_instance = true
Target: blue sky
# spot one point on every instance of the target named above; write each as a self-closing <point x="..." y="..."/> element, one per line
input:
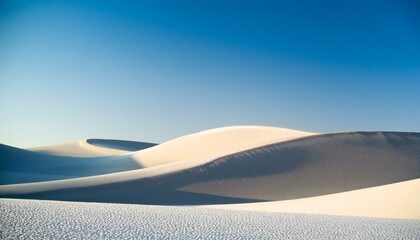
<point x="155" y="70"/>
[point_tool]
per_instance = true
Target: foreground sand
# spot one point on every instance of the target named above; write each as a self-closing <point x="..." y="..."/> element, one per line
<point x="76" y="220"/>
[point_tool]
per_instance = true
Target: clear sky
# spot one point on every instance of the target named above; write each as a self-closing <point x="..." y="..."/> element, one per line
<point x="156" y="70"/>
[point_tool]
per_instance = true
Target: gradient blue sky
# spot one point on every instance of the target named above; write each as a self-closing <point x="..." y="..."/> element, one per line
<point x="155" y="70"/>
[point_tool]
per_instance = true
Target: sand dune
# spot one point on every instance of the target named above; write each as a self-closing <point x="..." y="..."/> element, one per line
<point x="313" y="166"/>
<point x="215" y="142"/>
<point x="93" y="147"/>
<point x="300" y="168"/>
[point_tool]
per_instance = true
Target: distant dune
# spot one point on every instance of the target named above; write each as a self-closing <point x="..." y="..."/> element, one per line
<point x="93" y="147"/>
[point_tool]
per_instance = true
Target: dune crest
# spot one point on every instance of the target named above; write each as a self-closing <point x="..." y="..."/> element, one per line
<point x="214" y="142"/>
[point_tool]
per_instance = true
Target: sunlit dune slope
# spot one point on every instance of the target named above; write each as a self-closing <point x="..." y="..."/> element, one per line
<point x="398" y="200"/>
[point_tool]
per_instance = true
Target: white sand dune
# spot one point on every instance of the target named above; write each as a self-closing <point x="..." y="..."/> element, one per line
<point x="93" y="147"/>
<point x="300" y="168"/>
<point x="398" y="200"/>
<point x="215" y="142"/>
<point x="312" y="166"/>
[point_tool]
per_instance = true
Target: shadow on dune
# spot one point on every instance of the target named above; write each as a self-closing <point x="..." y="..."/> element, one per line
<point x="306" y="167"/>
<point x="120" y="144"/>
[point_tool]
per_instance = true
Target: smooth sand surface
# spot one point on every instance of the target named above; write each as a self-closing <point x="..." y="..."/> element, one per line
<point x="304" y="167"/>
<point x="93" y="147"/>
<point x="398" y="200"/>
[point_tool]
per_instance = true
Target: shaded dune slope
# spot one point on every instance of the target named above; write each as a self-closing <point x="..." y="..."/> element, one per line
<point x="23" y="166"/>
<point x="314" y="166"/>
<point x="304" y="167"/>
<point x="120" y="144"/>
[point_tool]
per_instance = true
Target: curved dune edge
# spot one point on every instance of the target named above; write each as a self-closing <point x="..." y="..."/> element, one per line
<point x="398" y="200"/>
<point x="215" y="142"/>
<point x="219" y="141"/>
<point x="264" y="173"/>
